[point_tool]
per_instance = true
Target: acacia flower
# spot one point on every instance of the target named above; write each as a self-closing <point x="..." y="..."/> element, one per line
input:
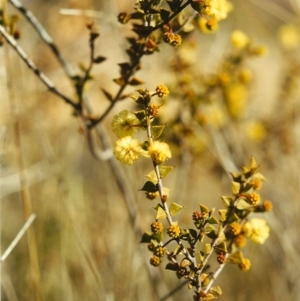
<point x="159" y="152"/>
<point x="257" y="229"/>
<point x="245" y="264"/>
<point x="239" y="39"/>
<point x="125" y="124"/>
<point x="217" y="9"/>
<point x="162" y="91"/>
<point x="128" y="150"/>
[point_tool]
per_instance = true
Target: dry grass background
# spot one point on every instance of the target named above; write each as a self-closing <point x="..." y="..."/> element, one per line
<point x="87" y="249"/>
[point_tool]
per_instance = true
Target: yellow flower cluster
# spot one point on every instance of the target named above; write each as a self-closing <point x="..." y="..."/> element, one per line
<point x="125" y="124"/>
<point x="128" y="150"/>
<point x="217" y="9"/>
<point x="289" y="36"/>
<point x="159" y="152"/>
<point x="257" y="229"/>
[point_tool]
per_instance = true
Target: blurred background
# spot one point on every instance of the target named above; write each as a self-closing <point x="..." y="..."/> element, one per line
<point x="87" y="241"/>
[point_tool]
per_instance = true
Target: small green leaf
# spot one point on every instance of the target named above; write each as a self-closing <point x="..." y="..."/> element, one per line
<point x="152" y="176"/>
<point x="207" y="248"/>
<point x="200" y="256"/>
<point x="175" y="208"/>
<point x="146" y="238"/>
<point x="157" y="130"/>
<point x="107" y="94"/>
<point x="165" y="170"/>
<point x="237" y="177"/>
<point x="252" y="163"/>
<point x="164" y="14"/>
<point x="235" y="187"/>
<point x="140" y="100"/>
<point x="222" y="247"/>
<point x="140" y="115"/>
<point x="174" y="5"/>
<point x="178" y="250"/>
<point x="185" y="263"/>
<point x="210" y="231"/>
<point x="158" y="236"/>
<point x="149" y="187"/>
<point x="119" y="81"/>
<point x="172" y="266"/>
<point x="193" y="233"/>
<point x="235" y="258"/>
<point x="99" y="59"/>
<point x="222" y="215"/>
<point x="242" y="204"/>
<point x="213" y="220"/>
<point x="203" y="208"/>
<point x="160" y="213"/>
<point x="216" y="291"/>
<point x="227" y="201"/>
<point x="125" y="67"/>
<point x="137" y="15"/>
<point x="232" y="218"/>
<point x="135" y="82"/>
<point x="196" y="6"/>
<point x="247" y="187"/>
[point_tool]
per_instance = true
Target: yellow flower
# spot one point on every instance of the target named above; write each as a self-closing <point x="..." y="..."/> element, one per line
<point x="162" y="91"/>
<point x="207" y="25"/>
<point x="236" y="97"/>
<point x="217" y="9"/>
<point x="128" y="150"/>
<point x="257" y="229"/>
<point x="245" y="264"/>
<point x="125" y="124"/>
<point x="256" y="131"/>
<point x="159" y="152"/>
<point x="289" y="36"/>
<point x="239" y="39"/>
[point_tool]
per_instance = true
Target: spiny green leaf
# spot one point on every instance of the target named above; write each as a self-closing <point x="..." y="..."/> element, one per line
<point x="213" y="220"/>
<point x="235" y="187"/>
<point x="140" y="115"/>
<point x="107" y="94"/>
<point x="99" y="59"/>
<point x="207" y="248"/>
<point x="242" y="204"/>
<point x="203" y="208"/>
<point x="216" y="290"/>
<point x="157" y="130"/>
<point x="149" y="187"/>
<point x="175" y="208"/>
<point x="160" y="213"/>
<point x="226" y="201"/>
<point x="235" y="258"/>
<point x="174" y="5"/>
<point x="164" y="14"/>
<point x="152" y="176"/>
<point x="193" y="233"/>
<point x="146" y="238"/>
<point x="222" y="247"/>
<point x="158" y="236"/>
<point x="172" y="266"/>
<point x="222" y="215"/>
<point x="119" y="81"/>
<point x="165" y="170"/>
<point x="232" y="218"/>
<point x="135" y="82"/>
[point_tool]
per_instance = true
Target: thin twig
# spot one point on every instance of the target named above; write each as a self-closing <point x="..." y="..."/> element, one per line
<point x="50" y="85"/>
<point x="18" y="237"/>
<point x="43" y="34"/>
